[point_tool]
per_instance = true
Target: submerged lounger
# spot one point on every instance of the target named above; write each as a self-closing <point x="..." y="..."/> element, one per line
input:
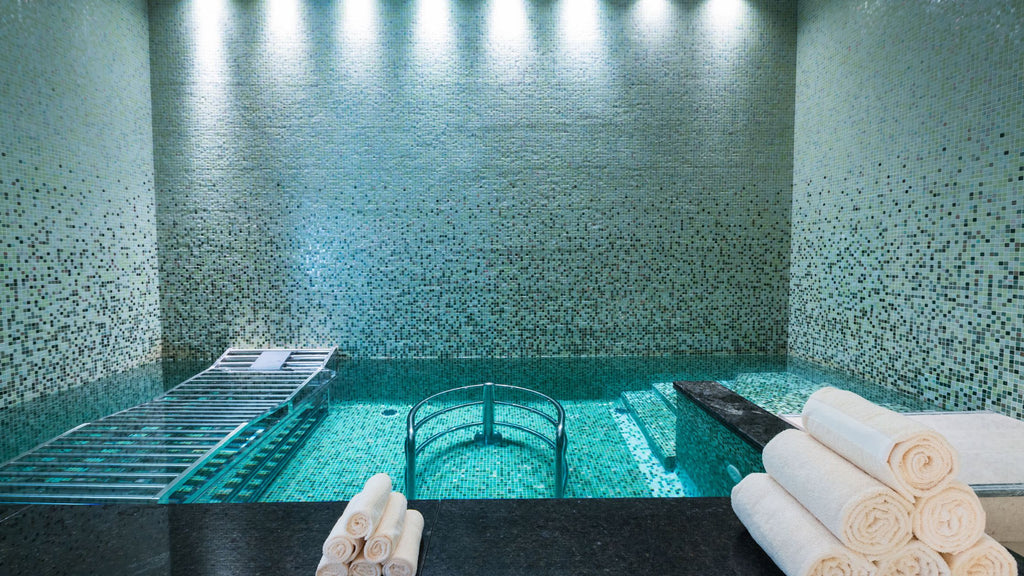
<point x="144" y="453"/>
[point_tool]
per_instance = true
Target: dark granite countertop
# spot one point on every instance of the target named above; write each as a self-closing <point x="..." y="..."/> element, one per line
<point x="678" y="536"/>
<point x="461" y="537"/>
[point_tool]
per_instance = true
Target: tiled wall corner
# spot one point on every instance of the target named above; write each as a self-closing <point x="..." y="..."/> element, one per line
<point x="908" y="199"/>
<point x="420" y="179"/>
<point x="79" y="296"/>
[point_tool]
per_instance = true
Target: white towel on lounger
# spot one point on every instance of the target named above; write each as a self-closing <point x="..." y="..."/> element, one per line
<point x="864" y="514"/>
<point x="405" y="559"/>
<point x="906" y="455"/>
<point x="380" y="546"/>
<point x="790" y="535"/>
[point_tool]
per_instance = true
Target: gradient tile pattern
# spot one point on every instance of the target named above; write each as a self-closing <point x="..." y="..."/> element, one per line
<point x="78" y="275"/>
<point x="908" y="198"/>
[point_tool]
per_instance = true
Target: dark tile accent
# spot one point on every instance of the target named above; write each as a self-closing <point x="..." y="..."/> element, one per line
<point x="751" y="422"/>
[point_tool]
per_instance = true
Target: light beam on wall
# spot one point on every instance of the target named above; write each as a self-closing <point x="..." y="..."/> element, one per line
<point x="652" y="13"/>
<point x="208" y="20"/>
<point x="433" y="22"/>
<point x="283" y="18"/>
<point x="579" y="21"/>
<point x="507" y="21"/>
<point x="725" y="14"/>
<point x="287" y="42"/>
<point x="359" y="38"/>
<point x="433" y="53"/>
<point x="508" y="37"/>
<point x="359" y="21"/>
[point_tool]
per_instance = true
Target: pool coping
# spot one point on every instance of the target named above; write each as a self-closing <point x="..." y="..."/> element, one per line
<point x="749" y="421"/>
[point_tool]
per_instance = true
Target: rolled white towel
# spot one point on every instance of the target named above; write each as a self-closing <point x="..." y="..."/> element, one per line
<point x="914" y="559"/>
<point x="865" y="515"/>
<point x="986" y="558"/>
<point x="789" y="534"/>
<point x="380" y="546"/>
<point x="950" y="520"/>
<point x="405" y="559"/>
<point x="329" y="567"/>
<point x="365" y="509"/>
<point x="906" y="455"/>
<point x="339" y="546"/>
<point x="363" y="567"/>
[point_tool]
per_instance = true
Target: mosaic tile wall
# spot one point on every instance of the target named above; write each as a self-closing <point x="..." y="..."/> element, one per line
<point x="908" y="199"/>
<point x="435" y="178"/>
<point x="78" y="232"/>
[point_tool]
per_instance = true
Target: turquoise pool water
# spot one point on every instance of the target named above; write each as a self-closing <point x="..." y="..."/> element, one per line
<point x="627" y="430"/>
<point x="609" y="453"/>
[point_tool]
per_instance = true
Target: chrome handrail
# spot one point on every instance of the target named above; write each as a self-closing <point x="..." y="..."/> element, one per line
<point x="559" y="442"/>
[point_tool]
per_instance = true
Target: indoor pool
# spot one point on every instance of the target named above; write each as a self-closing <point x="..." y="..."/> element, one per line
<point x="629" y="433"/>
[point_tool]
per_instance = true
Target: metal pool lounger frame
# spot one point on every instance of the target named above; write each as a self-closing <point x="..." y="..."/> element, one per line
<point x="145" y="453"/>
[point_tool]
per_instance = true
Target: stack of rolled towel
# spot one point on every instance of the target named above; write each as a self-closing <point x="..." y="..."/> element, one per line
<point x="866" y="492"/>
<point x="375" y="535"/>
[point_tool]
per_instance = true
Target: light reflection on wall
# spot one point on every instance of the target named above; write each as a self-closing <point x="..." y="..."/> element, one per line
<point x="653" y="21"/>
<point x="434" y="37"/>
<point x="584" y="49"/>
<point x="283" y="19"/>
<point x="359" y="37"/>
<point x="287" y="42"/>
<point x="725" y="16"/>
<point x="208" y="20"/>
<point x="579" y="22"/>
<point x="653" y="14"/>
<point x="725" y="25"/>
<point x="510" y="46"/>
<point x="209" y="103"/>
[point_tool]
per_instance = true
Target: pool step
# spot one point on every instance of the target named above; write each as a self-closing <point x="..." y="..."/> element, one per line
<point x="657" y="421"/>
<point x="667" y="392"/>
<point x="777" y="392"/>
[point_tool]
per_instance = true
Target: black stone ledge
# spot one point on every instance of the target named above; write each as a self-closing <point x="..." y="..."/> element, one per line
<point x="679" y="536"/>
<point x="748" y="420"/>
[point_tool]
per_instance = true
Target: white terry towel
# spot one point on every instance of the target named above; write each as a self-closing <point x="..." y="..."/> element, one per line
<point x="339" y="546"/>
<point x="950" y="520"/>
<point x="380" y="546"/>
<point x="405" y="559"/>
<point x="789" y="534"/>
<point x="865" y="515"/>
<point x="914" y="559"/>
<point x="363" y="567"/>
<point x="329" y="567"/>
<point x="986" y="558"/>
<point x="906" y="455"/>
<point x="365" y="509"/>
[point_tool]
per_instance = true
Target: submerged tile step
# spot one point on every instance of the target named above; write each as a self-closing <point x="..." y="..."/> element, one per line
<point x="668" y="393"/>
<point x="657" y="422"/>
<point x="777" y="392"/>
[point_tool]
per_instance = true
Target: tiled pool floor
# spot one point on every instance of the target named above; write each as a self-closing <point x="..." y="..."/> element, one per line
<point x="607" y="455"/>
